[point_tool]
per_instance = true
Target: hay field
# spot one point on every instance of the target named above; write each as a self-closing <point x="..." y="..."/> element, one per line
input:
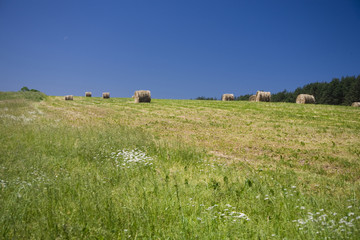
<point x="177" y="169"/>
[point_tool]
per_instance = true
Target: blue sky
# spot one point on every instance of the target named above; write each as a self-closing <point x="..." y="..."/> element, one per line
<point x="177" y="49"/>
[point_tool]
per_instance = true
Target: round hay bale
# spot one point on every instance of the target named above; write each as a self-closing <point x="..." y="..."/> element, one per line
<point x="355" y="104"/>
<point x="106" y="95"/>
<point x="69" y="97"/>
<point x="305" y="99"/>
<point x="87" y="94"/>
<point x="142" y="96"/>
<point x="227" y="97"/>
<point x="263" y="96"/>
<point x="252" y="98"/>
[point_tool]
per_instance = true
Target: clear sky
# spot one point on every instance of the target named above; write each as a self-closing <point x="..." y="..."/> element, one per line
<point x="177" y="49"/>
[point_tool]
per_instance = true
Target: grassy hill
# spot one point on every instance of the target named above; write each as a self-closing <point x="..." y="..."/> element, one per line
<point x="178" y="169"/>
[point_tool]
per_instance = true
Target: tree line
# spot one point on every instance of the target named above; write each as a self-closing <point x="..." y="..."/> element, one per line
<point x="342" y="91"/>
<point x="26" y="89"/>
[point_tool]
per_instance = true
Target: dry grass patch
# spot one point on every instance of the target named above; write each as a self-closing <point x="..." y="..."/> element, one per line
<point x="287" y="133"/>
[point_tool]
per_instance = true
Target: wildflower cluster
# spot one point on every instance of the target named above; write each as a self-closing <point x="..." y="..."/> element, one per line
<point x="34" y="179"/>
<point x="30" y="116"/>
<point x="22" y="118"/>
<point x="3" y="183"/>
<point x="226" y="213"/>
<point x="127" y="158"/>
<point x="328" y="221"/>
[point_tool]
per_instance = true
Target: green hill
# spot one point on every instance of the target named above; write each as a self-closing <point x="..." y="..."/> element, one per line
<point x="177" y="169"/>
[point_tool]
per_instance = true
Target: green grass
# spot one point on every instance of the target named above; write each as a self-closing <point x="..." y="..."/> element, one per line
<point x="177" y="169"/>
<point x="28" y="95"/>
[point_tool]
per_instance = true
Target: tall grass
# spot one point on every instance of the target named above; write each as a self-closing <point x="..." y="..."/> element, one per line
<point x="70" y="178"/>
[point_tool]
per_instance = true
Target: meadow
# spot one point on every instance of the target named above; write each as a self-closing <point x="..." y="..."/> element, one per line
<point x="97" y="168"/>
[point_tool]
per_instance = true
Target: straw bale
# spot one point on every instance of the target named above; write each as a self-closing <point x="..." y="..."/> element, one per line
<point x="106" y="95"/>
<point x="142" y="96"/>
<point x="227" y="97"/>
<point x="355" y="104"/>
<point x="69" y="97"/>
<point x="87" y="94"/>
<point x="263" y="96"/>
<point x="305" y="99"/>
<point x="252" y="98"/>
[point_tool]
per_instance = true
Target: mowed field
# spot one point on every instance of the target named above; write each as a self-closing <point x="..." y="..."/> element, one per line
<point x="97" y="168"/>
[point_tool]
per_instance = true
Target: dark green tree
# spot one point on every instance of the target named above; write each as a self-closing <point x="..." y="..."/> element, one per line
<point x="24" y="89"/>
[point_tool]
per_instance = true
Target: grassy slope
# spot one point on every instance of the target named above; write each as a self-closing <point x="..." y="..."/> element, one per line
<point x="293" y="170"/>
